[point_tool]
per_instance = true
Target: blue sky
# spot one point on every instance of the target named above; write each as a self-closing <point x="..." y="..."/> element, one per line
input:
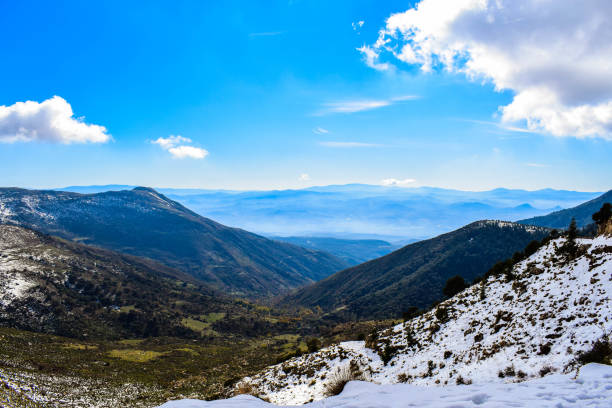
<point x="275" y="92"/>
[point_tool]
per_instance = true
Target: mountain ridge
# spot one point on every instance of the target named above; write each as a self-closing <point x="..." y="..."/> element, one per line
<point x="414" y="275"/>
<point x="145" y="223"/>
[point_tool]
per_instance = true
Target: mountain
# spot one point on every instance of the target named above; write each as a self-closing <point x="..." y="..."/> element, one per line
<point x="550" y="315"/>
<point x="51" y="285"/>
<point x="352" y="251"/>
<point x="582" y="213"/>
<point x="360" y="211"/>
<point x="415" y="274"/>
<point x="145" y="223"/>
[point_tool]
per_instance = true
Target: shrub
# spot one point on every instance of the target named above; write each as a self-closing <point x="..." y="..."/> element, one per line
<point x="313" y="344"/>
<point x="411" y="313"/>
<point x="453" y="286"/>
<point x="442" y="314"/>
<point x="600" y="352"/>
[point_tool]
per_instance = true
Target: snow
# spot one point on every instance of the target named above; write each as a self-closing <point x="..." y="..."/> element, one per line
<point x="536" y="323"/>
<point x="592" y="388"/>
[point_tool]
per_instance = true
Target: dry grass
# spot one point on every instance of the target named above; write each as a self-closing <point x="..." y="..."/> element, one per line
<point x="339" y="378"/>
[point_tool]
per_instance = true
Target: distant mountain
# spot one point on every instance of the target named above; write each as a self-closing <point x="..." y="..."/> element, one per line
<point x="415" y="275"/>
<point x="582" y="213"/>
<point x="353" y="251"/>
<point x="143" y="222"/>
<point x="360" y="211"/>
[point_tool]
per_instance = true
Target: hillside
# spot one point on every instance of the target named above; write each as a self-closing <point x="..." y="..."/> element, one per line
<point x="352" y="251"/>
<point x="50" y="285"/>
<point x="145" y="223"/>
<point x="536" y="320"/>
<point x="415" y="275"/>
<point x="561" y="219"/>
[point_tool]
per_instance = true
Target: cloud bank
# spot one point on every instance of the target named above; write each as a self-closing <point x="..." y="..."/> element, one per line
<point x="49" y="121"/>
<point x="176" y="146"/>
<point x="555" y="55"/>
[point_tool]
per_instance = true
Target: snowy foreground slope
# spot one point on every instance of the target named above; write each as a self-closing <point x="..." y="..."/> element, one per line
<point x="592" y="388"/>
<point x="511" y="328"/>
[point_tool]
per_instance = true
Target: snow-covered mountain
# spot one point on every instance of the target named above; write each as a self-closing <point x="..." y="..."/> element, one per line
<point x="512" y="327"/>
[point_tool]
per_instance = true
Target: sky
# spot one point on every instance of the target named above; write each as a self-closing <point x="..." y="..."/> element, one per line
<point x="464" y="94"/>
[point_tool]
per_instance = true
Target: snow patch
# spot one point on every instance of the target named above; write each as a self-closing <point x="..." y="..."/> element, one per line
<point x="592" y="388"/>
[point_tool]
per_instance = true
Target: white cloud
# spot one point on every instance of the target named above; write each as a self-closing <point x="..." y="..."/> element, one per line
<point x="320" y="131"/>
<point x="348" y="144"/>
<point x="540" y="165"/>
<point x="391" y="182"/>
<point x="182" y="152"/>
<point x="352" y="106"/>
<point x="170" y="141"/>
<point x="304" y="177"/>
<point x="49" y="121"/>
<point x="357" y="25"/>
<point x="556" y="56"/>
<point x="175" y="145"/>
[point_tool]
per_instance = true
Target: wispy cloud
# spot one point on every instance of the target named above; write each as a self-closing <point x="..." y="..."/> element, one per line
<point x="357" y="25"/>
<point x="177" y="146"/>
<point x="539" y="165"/>
<point x="370" y="56"/>
<point x="304" y="177"/>
<point x="348" y="144"/>
<point x="266" y="34"/>
<point x="392" y="182"/>
<point x="320" y="131"/>
<point x="360" y="105"/>
<point x="499" y="125"/>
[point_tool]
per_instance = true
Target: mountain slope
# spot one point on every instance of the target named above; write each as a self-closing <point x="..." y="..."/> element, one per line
<point x="561" y="219"/>
<point x="416" y="274"/>
<point x="55" y="286"/>
<point x="145" y="223"/>
<point x="539" y="322"/>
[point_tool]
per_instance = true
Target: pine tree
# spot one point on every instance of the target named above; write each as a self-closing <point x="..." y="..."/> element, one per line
<point x="570" y="246"/>
<point x="572" y="232"/>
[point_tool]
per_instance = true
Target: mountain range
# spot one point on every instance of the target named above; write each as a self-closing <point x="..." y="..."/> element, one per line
<point x="360" y="211"/>
<point x="143" y="222"/>
<point x="582" y="214"/>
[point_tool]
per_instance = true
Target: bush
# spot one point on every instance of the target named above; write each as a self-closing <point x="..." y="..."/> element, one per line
<point x="313" y="344"/>
<point x="411" y="313"/>
<point x="601" y="352"/>
<point x="453" y="286"/>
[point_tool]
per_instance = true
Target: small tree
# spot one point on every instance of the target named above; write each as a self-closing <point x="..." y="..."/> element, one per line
<point x="570" y="246"/>
<point x="572" y="232"/>
<point x="602" y="216"/>
<point x="453" y="286"/>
